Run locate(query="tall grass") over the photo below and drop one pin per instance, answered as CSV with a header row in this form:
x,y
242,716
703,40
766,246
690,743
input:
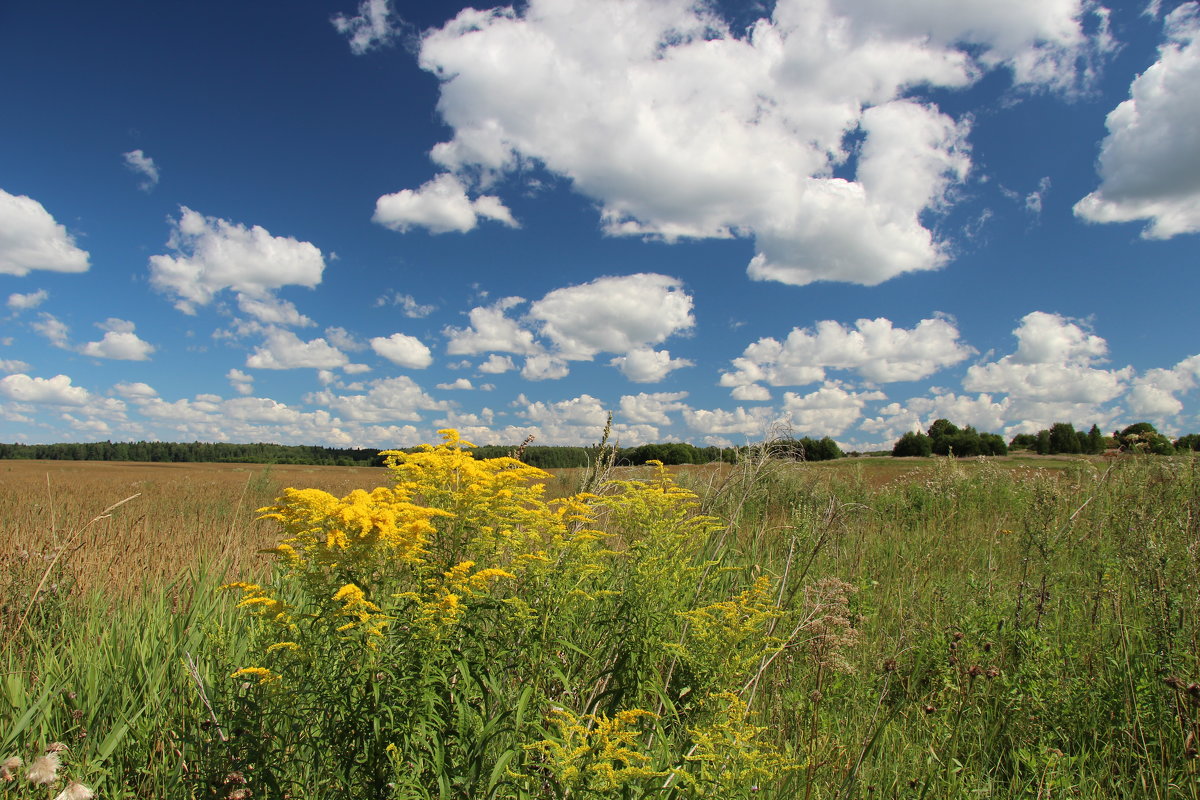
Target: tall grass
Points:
x,y
966,630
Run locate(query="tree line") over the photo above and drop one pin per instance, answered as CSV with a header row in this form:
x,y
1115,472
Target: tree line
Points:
x,y
945,438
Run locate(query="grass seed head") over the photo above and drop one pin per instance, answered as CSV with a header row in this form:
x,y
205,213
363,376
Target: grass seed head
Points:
x,y
75,791
9,768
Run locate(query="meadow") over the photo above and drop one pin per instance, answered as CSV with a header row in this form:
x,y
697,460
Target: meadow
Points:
x,y
900,628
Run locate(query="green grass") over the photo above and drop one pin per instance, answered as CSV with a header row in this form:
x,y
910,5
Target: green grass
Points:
x,y
1015,628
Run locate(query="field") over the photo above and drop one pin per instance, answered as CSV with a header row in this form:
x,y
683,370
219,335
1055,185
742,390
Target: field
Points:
x,y
873,627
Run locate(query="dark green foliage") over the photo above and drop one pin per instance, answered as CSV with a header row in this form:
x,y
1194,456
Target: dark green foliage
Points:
x,y
1064,439
913,443
808,449
1189,442
209,452
942,428
1141,437
1024,441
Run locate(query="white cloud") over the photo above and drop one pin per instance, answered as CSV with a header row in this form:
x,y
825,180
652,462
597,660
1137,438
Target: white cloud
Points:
x,y
12,365
271,310
1150,161
344,339
388,400
370,29
31,239
136,390
755,423
24,302
119,343
402,350
458,384
874,349
52,391
647,365
53,329
491,329
1154,394
1055,363
613,314
678,127
827,411
412,309
544,367
497,364
143,165
440,206
284,350
651,408
213,254
242,382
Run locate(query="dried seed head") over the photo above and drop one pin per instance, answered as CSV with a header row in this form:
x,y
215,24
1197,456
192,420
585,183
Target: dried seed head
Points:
x,y
9,768
928,709
56,747
958,636
75,791
240,794
889,665
987,647
992,672
975,671
1193,689
1174,682
236,778
43,770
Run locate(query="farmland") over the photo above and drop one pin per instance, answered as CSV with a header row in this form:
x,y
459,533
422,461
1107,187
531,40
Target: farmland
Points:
x,y
906,628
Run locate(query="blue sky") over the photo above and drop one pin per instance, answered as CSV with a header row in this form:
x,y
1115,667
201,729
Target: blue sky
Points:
x,y
354,223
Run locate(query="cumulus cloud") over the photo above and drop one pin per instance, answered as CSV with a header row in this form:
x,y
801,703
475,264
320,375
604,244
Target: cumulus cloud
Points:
x,y
370,29
412,309
647,365
827,411
119,343
613,314
54,329
497,364
136,390
24,302
402,350
388,400
544,367
271,310
492,330
214,254
1150,161
143,165
875,349
50,391
803,133
651,408
459,384
242,382
30,239
1055,363
285,350
12,365
440,206
1154,394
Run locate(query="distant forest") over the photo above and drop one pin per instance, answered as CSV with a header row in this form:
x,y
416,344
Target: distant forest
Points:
x,y
542,456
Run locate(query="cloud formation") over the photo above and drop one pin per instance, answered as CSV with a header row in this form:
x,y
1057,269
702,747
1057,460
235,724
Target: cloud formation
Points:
x,y
403,350
143,165
440,206
873,348
214,254
1150,161
801,133
30,239
370,29
119,343
285,350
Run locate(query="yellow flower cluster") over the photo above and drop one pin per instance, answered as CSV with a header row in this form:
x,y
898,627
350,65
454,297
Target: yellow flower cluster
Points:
x,y
728,756
726,640
597,752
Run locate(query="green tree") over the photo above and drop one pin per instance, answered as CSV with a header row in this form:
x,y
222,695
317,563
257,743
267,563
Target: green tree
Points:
x,y
913,443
